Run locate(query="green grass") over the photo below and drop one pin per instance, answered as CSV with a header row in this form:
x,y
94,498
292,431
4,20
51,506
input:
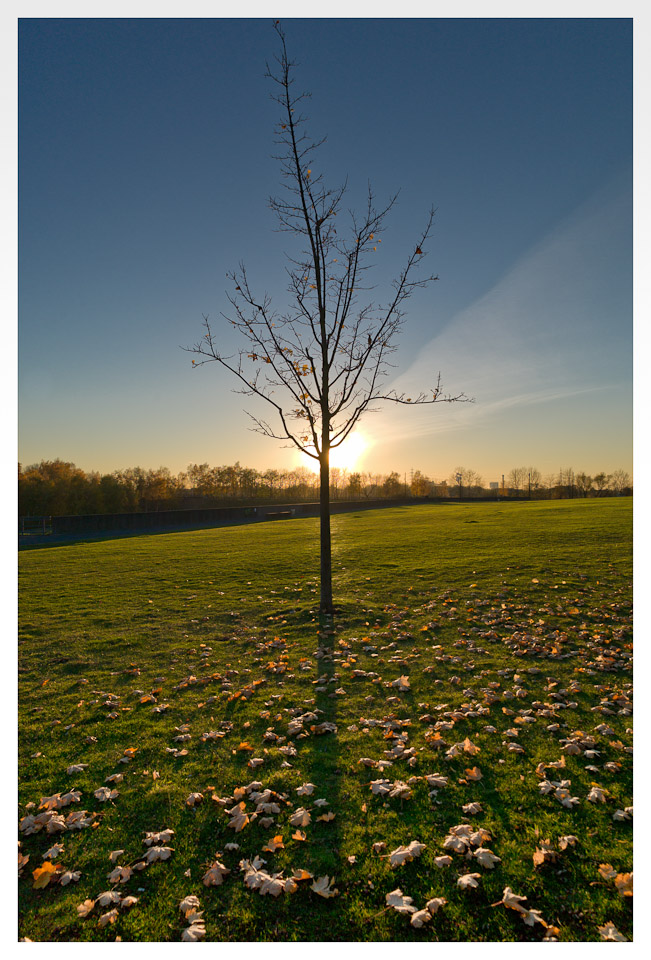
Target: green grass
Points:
x,y
456,597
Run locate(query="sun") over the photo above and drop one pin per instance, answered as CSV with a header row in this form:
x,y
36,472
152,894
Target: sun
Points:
x,y
346,457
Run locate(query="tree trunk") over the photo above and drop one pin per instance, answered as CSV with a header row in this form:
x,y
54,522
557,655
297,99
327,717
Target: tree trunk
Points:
x,y
326,546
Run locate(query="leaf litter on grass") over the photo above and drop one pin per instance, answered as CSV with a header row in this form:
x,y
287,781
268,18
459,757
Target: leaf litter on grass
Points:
x,y
552,669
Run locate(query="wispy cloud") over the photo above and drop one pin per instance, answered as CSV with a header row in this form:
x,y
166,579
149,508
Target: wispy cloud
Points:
x,y
555,327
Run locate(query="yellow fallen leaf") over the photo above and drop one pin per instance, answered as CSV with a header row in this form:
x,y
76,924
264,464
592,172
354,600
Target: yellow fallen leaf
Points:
x,y
43,875
624,884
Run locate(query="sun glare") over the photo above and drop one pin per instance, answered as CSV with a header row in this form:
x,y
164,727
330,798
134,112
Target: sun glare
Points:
x,y
346,457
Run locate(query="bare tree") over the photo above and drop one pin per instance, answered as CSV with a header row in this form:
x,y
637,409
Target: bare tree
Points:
x,y
620,480
322,362
517,478
465,479
601,481
584,484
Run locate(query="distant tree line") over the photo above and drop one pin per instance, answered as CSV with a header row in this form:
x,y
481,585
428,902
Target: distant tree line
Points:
x,y
59,488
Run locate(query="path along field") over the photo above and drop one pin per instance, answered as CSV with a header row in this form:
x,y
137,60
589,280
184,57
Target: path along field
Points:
x,y
459,734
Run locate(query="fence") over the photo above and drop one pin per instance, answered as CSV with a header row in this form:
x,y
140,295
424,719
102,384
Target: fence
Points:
x,y
183,519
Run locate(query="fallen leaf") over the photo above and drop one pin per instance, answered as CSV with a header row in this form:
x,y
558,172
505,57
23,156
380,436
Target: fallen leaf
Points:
x,y
305,789
120,875
275,844
512,900
443,861
468,880
435,904
610,932
189,905
108,897
158,853
420,918
194,933
300,818
214,875
399,902
109,917
486,857
322,886
43,874
624,884
83,909
404,854
53,852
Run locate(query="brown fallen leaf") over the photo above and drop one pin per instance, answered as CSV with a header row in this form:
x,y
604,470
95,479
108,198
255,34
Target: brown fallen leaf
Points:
x,y
512,901
158,853
213,877
189,905
486,858
300,818
195,932
83,909
420,918
276,843
610,932
568,841
70,876
322,886
468,880
53,852
435,904
402,855
109,917
399,902
544,854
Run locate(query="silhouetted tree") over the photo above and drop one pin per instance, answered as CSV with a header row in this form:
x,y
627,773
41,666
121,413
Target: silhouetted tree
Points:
x,y
517,478
620,481
583,484
601,481
420,485
322,362
392,486
468,482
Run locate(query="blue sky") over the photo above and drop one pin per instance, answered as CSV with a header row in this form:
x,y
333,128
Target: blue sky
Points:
x,y
145,164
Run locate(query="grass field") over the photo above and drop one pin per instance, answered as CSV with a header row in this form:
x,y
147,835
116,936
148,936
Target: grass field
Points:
x,y
478,674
